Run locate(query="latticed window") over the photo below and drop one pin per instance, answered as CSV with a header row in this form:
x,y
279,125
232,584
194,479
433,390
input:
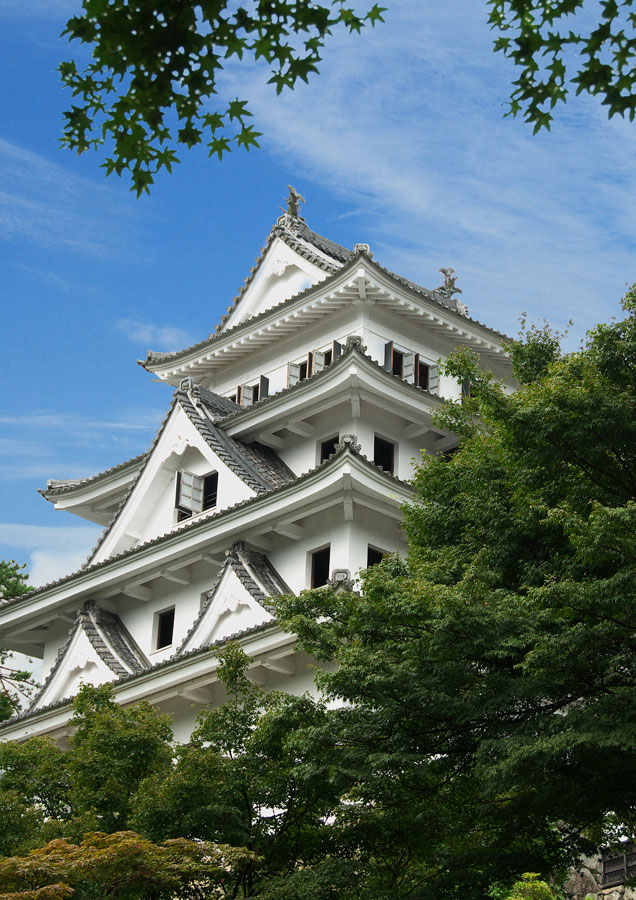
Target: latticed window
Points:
x,y
195,493
619,867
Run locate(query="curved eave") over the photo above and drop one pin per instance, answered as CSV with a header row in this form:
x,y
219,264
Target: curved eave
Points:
x,y
164,680
361,280
353,377
208,534
96,498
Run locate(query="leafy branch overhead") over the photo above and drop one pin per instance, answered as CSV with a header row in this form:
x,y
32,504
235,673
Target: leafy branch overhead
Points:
x,y
558,43
155,66
16,685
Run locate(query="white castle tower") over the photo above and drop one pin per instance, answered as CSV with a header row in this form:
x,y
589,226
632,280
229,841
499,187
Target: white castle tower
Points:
x,y
281,464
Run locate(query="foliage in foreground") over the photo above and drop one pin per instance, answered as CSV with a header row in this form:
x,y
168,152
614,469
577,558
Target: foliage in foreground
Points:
x,y
490,683
119,866
558,43
156,66
16,685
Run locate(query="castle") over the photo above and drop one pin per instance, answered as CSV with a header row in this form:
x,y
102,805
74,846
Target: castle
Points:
x,y
282,464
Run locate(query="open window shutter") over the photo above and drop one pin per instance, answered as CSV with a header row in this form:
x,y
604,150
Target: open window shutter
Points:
x,y
319,361
190,492
433,379
293,374
388,356
416,368
238,395
310,362
408,367
263,387
336,352
247,395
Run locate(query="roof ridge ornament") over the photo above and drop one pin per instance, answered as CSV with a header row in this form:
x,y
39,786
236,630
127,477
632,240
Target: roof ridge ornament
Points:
x,y
449,288
291,217
363,248
348,440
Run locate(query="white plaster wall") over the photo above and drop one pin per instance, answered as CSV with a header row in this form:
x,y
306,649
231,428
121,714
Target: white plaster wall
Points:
x,y
282,274
348,542
140,618
272,360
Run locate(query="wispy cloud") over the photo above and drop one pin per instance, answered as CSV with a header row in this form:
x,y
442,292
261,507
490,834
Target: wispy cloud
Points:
x,y
53,552
407,125
46,444
48,204
161,337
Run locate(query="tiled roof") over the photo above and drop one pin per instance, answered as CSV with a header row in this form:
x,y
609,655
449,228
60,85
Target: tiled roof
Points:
x,y
201,521
163,664
296,234
255,572
106,633
61,486
436,296
258,466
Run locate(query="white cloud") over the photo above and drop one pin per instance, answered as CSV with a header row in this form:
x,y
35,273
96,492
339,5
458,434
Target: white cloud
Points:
x,y
47,204
53,552
48,444
164,337
406,123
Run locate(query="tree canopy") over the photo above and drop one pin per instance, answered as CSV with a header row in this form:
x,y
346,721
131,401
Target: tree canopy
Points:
x,y
152,82
155,68
558,45
15,684
489,681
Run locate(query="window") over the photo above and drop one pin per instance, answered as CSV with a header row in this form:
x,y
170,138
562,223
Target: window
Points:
x,y
383,454
299,371
320,560
323,358
465,389
394,359
373,556
195,493
328,447
421,375
247,394
618,867
165,628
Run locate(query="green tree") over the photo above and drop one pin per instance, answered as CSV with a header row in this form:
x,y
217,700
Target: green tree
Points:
x,y
15,684
155,68
490,680
248,777
119,866
47,792
560,45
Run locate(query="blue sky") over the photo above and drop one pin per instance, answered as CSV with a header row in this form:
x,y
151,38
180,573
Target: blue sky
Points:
x,y
400,142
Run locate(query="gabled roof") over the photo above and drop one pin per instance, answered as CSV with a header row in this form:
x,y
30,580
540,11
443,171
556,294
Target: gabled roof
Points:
x,y
202,521
155,362
300,238
109,638
256,465
257,576
57,486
